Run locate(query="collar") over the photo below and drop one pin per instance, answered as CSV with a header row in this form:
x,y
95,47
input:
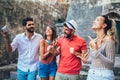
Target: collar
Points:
x,y
34,35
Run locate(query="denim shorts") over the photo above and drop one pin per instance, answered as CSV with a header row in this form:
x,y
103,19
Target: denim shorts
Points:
x,y
100,74
46,70
26,75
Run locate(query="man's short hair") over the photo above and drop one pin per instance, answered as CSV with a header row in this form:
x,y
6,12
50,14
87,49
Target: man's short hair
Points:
x,y
24,21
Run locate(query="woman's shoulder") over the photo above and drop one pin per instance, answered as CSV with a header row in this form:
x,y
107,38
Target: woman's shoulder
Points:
x,y
42,41
109,39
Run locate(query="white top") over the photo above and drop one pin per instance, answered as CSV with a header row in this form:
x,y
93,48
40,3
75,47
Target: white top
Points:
x,y
28,50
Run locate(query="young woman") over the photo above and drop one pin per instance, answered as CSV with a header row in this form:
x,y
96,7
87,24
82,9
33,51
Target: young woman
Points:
x,y
102,50
47,66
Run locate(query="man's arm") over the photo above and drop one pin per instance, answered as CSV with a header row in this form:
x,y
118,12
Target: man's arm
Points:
x,y
7,42
8,46
83,55
56,50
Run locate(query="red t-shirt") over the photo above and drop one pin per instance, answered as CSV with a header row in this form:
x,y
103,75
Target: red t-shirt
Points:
x,y
68,62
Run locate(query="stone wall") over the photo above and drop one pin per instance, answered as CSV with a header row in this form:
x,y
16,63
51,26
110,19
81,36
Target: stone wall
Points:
x,y
13,11
84,13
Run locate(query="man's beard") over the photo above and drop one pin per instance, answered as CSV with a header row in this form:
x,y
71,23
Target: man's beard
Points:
x,y
68,35
31,30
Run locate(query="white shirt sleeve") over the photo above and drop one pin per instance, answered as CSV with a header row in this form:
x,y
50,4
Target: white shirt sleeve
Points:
x,y
14,44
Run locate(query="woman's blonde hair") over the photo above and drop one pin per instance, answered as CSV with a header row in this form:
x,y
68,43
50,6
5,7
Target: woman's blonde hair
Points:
x,y
111,29
113,33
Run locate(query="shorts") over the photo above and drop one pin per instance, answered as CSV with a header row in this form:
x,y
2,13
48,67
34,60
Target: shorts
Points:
x,y
46,70
61,76
26,75
100,74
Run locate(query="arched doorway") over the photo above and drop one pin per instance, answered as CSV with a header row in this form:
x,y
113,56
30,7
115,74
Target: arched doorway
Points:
x,y
116,17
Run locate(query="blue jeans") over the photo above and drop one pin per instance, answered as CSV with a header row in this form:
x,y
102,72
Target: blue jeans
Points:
x,y
26,75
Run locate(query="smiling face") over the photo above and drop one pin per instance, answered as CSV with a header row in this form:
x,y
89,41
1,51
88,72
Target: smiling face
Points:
x,y
99,23
68,33
30,26
49,31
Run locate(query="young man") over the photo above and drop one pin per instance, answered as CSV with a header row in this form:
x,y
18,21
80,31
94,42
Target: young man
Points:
x,y
71,46
27,44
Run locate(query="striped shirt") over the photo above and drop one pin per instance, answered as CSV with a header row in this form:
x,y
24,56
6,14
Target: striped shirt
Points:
x,y
28,50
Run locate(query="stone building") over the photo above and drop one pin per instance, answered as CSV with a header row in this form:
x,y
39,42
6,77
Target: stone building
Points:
x,y
60,1
85,11
13,11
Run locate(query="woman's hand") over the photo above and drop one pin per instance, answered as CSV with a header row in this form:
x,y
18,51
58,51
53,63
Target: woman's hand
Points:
x,y
93,44
49,48
84,57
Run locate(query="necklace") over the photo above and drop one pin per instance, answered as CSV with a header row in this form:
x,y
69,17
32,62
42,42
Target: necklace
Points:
x,y
48,42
